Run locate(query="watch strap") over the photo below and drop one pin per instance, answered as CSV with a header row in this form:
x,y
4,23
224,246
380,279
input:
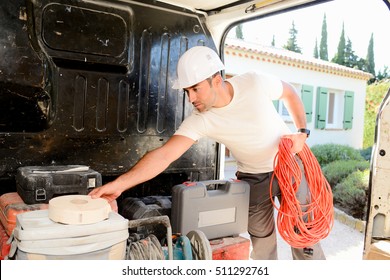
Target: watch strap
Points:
x,y
304,130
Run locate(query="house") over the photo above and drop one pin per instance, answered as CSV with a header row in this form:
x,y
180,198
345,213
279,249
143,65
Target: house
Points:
x,y
333,95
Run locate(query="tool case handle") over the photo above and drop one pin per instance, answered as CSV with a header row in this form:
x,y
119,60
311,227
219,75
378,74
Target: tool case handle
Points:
x,y
231,185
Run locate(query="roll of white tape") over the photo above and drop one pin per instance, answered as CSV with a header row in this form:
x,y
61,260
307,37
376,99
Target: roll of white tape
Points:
x,y
78,209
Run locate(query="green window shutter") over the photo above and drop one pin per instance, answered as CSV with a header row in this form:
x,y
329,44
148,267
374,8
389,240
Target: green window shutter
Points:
x,y
276,104
348,109
321,107
307,99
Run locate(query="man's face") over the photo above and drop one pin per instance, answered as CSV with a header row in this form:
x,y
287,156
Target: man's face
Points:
x,y
202,95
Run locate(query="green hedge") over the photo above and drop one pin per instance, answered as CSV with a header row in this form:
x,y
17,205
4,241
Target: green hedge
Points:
x,y
347,172
327,153
338,170
352,193
366,153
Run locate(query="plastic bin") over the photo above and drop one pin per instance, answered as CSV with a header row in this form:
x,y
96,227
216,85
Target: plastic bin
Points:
x,y
36,237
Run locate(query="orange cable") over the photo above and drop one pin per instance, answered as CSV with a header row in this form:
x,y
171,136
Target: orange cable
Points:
x,y
301,225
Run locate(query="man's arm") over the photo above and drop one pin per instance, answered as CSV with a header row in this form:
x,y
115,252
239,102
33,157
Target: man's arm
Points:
x,y
295,107
149,166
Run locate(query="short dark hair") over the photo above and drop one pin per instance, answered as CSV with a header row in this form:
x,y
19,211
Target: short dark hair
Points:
x,y
209,79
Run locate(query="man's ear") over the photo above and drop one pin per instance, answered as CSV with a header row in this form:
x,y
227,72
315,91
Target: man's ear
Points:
x,y
218,80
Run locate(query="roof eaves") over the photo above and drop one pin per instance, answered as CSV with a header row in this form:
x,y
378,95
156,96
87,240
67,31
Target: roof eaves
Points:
x,y
289,58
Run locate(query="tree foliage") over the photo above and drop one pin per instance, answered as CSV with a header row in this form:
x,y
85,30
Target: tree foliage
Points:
x,y
346,56
345,53
315,52
292,44
370,62
339,58
374,96
324,40
350,59
383,75
239,33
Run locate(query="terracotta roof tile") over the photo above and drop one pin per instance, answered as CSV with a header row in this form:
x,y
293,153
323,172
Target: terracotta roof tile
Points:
x,y
245,50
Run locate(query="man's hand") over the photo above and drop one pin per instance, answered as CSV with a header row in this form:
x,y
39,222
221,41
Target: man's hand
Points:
x,y
109,191
298,140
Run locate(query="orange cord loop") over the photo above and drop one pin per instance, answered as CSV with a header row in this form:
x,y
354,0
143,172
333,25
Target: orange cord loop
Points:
x,y
301,224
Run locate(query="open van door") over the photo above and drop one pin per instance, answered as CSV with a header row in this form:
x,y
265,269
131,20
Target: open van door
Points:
x,y
377,235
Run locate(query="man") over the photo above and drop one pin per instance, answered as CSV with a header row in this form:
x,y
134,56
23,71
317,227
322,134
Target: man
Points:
x,y
240,114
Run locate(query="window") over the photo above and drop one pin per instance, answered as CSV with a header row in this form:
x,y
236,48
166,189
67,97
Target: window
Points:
x,y
282,110
334,115
334,109
307,99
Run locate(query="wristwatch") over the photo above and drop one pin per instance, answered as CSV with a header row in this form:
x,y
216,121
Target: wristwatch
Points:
x,y
304,130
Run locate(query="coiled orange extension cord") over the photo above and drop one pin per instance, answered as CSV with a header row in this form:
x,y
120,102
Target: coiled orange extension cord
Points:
x,y
301,224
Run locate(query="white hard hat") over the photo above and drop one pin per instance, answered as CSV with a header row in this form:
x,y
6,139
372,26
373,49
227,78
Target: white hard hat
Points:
x,y
195,65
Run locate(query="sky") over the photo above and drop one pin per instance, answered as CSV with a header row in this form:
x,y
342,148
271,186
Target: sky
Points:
x,y
361,18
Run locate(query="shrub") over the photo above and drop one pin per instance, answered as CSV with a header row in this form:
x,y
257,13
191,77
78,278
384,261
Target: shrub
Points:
x,y
351,194
327,153
366,153
374,97
338,170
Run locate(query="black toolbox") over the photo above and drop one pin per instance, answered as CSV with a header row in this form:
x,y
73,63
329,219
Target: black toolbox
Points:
x,y
39,184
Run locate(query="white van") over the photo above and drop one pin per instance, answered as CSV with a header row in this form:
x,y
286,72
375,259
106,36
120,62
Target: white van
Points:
x,y
90,83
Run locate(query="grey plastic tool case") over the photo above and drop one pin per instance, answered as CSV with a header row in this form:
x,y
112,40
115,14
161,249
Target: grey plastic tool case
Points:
x,y
219,212
39,184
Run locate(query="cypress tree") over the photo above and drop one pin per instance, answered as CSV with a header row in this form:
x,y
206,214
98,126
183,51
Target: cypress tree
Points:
x,y
292,41
315,52
370,56
351,59
324,40
239,33
384,75
339,58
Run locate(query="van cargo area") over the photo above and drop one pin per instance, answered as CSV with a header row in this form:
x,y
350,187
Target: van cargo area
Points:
x,y
90,83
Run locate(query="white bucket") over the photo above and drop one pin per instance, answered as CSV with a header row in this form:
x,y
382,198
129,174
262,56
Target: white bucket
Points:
x,y
38,237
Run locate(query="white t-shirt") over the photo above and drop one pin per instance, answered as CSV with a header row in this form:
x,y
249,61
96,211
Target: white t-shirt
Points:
x,y
249,126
